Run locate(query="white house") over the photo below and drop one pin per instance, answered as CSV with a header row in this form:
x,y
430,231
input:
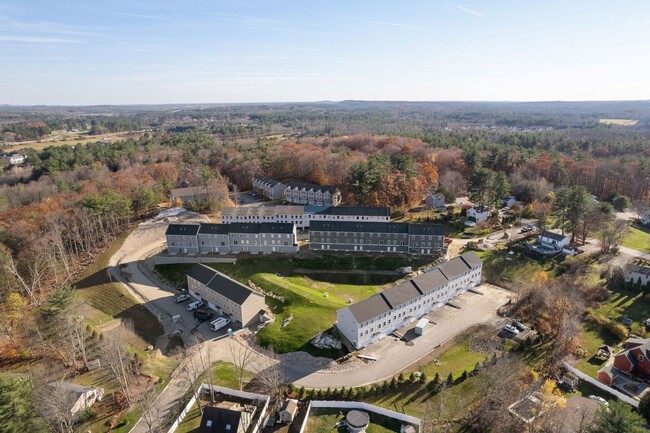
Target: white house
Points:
x,y
553,240
16,159
75,396
268,187
478,213
435,200
226,296
638,272
373,318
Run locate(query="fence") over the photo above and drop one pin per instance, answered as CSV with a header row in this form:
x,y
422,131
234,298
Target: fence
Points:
x,y
360,406
602,386
227,391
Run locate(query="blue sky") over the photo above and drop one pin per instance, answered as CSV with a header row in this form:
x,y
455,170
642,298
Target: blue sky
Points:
x,y
145,51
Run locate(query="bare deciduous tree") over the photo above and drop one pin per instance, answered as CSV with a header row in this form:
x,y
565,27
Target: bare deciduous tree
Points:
x,y
57,401
241,357
117,360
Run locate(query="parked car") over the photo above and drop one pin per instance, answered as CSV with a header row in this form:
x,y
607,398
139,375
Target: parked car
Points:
x,y
511,329
599,400
194,305
219,323
203,314
175,333
182,298
525,229
520,326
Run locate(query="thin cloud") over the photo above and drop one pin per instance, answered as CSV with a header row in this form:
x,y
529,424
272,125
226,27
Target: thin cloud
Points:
x,y
37,40
246,19
53,27
464,9
524,35
480,57
384,23
148,17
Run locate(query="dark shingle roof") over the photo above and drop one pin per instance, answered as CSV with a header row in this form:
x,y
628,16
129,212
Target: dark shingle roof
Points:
x,y
369,308
219,418
261,228
427,229
430,280
231,289
555,236
267,180
454,267
472,259
357,210
214,229
401,293
308,186
201,273
182,229
351,226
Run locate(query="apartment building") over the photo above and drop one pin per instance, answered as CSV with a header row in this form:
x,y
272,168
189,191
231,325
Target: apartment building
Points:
x,y
385,237
315,195
353,214
265,214
191,194
233,238
373,318
269,188
226,296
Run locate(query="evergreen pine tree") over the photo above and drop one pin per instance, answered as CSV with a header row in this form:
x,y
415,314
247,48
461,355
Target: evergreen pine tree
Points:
x,y
328,393
463,377
450,380
412,377
423,377
393,383
400,378
302,393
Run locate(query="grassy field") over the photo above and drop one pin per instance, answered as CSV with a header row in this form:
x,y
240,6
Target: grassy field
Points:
x,y
223,374
519,267
638,238
620,122
59,138
311,300
323,420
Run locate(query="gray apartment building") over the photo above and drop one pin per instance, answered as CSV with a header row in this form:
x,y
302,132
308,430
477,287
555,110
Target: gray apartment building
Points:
x,y
268,187
226,296
265,214
182,238
385,237
353,213
315,195
233,238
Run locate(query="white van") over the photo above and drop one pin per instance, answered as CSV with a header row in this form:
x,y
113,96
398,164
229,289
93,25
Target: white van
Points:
x,y
194,305
219,323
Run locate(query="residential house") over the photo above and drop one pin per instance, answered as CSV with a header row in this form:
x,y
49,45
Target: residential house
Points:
x,y
353,213
509,201
632,361
191,194
316,195
235,418
182,238
76,397
265,214
206,238
374,318
269,188
552,240
637,272
435,200
384,237
644,217
16,159
226,296
478,214
288,411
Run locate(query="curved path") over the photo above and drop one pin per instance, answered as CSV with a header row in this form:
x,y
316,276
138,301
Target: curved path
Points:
x,y
127,266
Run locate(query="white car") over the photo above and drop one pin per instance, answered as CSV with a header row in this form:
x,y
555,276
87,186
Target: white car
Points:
x,y
194,305
219,323
599,400
511,329
182,298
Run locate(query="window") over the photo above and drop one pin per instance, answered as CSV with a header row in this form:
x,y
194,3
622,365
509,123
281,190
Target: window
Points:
x,y
208,423
641,358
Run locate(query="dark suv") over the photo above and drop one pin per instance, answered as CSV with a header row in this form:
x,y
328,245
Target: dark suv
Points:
x,y
202,314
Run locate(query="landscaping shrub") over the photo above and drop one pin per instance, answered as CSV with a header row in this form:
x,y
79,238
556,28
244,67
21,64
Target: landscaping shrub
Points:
x,y
617,330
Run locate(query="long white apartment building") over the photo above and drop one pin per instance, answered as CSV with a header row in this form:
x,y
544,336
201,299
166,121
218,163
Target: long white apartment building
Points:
x,y
373,318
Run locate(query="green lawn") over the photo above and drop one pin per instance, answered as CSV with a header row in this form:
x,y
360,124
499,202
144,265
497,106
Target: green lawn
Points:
x,y
323,420
455,359
638,238
518,268
311,299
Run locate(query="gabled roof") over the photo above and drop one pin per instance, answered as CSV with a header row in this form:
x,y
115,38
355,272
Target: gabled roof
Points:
x,y
189,191
290,406
214,229
231,289
430,280
377,227
201,273
267,180
555,236
262,210
182,229
369,308
70,388
401,293
286,228
454,267
426,229
472,260
382,211
217,420
311,186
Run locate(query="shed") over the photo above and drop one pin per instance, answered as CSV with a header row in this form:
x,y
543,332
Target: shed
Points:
x,y
604,351
288,411
421,325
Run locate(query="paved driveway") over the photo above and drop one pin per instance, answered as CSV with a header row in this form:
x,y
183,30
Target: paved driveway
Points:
x,y
395,355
